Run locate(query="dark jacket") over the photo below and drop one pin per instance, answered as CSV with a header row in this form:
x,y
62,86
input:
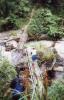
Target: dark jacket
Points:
x,y
17,88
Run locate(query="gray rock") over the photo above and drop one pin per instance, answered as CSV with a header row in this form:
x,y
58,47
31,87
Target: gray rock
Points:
x,y
59,68
59,47
11,43
45,43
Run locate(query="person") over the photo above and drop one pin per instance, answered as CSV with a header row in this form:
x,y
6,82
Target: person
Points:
x,y
34,54
34,57
17,88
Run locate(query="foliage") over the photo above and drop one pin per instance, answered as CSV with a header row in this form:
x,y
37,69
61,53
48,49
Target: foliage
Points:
x,y
32,96
23,8
56,91
47,56
12,11
45,22
8,7
7,73
9,23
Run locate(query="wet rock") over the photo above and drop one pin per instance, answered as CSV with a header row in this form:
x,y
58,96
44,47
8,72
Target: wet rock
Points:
x,y
6,54
59,68
59,47
59,75
59,61
38,37
45,43
17,40
11,45
17,55
13,56
43,37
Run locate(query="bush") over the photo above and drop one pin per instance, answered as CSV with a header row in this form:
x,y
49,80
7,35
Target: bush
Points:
x,y
9,23
23,9
47,56
37,24
44,22
7,73
12,13
12,21
56,91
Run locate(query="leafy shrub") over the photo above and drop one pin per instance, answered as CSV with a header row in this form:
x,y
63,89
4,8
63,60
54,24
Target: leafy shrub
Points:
x,y
47,57
23,9
12,22
44,22
7,73
8,7
9,23
56,91
11,12
37,24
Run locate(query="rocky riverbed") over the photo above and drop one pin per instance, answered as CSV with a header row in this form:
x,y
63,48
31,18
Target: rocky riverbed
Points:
x,y
11,47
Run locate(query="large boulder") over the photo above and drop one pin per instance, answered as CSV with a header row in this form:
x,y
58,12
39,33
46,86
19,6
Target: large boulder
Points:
x,y
10,45
44,43
59,47
59,69
13,56
6,54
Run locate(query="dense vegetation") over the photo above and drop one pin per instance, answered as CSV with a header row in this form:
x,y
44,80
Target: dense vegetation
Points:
x,y
48,19
13,13
56,91
7,73
48,16
44,22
